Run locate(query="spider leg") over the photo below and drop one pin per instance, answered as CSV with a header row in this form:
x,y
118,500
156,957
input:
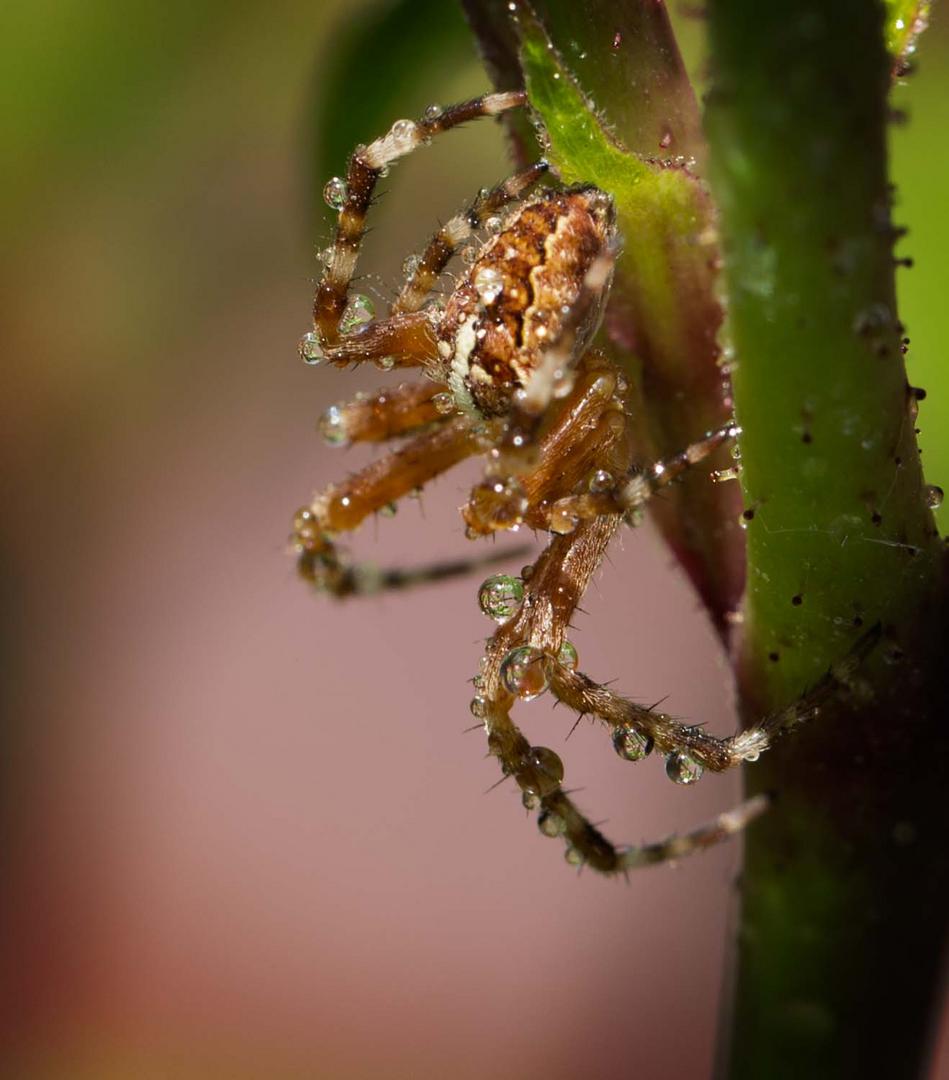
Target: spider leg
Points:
x,y
386,414
519,657
637,729
456,231
366,165
340,508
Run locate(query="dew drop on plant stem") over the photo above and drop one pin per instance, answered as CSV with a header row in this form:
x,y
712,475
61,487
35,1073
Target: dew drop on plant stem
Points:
x,y
500,596
335,192
524,672
933,496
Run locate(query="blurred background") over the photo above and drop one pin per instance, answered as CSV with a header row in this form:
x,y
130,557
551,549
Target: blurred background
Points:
x,y
243,833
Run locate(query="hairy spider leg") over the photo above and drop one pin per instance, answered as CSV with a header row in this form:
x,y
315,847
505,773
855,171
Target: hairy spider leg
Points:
x,y
638,487
443,245
533,638
640,728
366,165
385,414
341,507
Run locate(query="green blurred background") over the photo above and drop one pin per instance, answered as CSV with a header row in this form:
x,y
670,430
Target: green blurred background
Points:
x,y
220,841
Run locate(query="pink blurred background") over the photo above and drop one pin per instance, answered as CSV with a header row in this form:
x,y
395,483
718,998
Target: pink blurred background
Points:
x,y
244,833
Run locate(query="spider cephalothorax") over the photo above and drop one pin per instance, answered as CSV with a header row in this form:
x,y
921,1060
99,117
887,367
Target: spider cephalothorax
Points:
x,y
512,375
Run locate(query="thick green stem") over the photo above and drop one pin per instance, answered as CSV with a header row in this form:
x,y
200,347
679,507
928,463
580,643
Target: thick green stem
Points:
x,y
844,889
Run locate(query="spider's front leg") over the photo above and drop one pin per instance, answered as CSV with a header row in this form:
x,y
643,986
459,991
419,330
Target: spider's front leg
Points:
x,y
353,198
522,657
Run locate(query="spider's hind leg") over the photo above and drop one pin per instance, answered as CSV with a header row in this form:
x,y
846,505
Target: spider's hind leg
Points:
x,y
524,653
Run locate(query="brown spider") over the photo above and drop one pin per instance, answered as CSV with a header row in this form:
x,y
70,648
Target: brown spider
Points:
x,y
512,376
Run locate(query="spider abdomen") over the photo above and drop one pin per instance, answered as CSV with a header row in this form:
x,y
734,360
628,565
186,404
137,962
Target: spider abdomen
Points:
x,y
512,301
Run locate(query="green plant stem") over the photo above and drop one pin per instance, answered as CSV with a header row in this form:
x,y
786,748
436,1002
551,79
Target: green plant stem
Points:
x,y
845,885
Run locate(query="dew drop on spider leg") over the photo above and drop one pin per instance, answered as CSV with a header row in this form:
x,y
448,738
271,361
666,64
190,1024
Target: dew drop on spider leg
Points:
x,y
335,192
568,657
530,799
333,426
494,225
933,496
404,135
310,349
574,856
550,824
631,745
541,772
359,311
432,112
683,769
524,672
488,284
601,481
478,707
500,596
444,402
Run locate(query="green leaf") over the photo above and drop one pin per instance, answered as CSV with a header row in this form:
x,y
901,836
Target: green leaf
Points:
x,y
905,21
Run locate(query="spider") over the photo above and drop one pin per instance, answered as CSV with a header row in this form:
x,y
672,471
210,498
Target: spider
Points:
x,y
513,376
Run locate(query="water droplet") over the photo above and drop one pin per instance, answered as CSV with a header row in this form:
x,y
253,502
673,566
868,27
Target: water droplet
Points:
x,y
542,772
631,745
389,510
494,225
635,517
335,192
500,596
478,707
404,135
332,426
568,656
601,481
433,112
524,672
573,856
530,799
933,496
488,283
359,311
563,519
496,504
682,769
326,255
550,824
752,757
469,254
384,363
444,402
310,349
410,264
